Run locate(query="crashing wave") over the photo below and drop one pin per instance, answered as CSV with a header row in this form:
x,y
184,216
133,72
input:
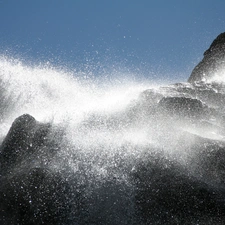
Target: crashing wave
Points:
x,y
127,155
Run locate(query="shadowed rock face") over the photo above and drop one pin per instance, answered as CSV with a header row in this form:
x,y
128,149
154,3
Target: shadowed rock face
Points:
x,y
164,191
36,196
182,106
166,194
213,61
30,193
25,139
19,140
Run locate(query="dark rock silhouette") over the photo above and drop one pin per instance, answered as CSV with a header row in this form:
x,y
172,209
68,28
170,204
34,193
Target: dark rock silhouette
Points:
x,y
30,193
25,140
213,61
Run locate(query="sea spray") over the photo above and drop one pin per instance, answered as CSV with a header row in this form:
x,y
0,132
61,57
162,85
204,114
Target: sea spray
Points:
x,y
129,153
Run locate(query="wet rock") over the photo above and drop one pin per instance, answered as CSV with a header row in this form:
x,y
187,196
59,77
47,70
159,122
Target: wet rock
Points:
x,y
26,139
181,106
177,179
167,194
30,192
37,196
213,61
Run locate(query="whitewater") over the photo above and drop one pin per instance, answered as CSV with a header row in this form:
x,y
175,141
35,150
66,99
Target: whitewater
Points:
x,y
125,152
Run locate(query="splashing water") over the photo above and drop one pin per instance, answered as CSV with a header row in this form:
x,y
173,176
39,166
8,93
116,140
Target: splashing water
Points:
x,y
48,93
109,131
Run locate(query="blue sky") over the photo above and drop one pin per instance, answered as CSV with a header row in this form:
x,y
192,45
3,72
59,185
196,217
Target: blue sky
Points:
x,y
158,39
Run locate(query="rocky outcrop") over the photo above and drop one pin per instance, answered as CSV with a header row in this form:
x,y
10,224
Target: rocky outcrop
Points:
x,y
26,139
166,194
182,106
31,193
173,172
36,196
213,61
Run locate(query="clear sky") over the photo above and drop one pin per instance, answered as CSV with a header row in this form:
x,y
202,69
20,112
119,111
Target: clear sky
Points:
x,y
159,39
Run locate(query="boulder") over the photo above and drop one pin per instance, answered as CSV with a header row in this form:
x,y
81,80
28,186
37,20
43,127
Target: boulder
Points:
x,y
213,61
27,142
30,191
181,106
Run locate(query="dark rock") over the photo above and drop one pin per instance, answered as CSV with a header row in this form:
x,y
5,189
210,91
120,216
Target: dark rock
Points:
x,y
25,140
181,106
37,196
180,181
208,161
30,192
167,194
213,61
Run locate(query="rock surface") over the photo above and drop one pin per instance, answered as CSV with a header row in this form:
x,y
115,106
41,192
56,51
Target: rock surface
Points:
x,y
213,61
30,193
178,177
